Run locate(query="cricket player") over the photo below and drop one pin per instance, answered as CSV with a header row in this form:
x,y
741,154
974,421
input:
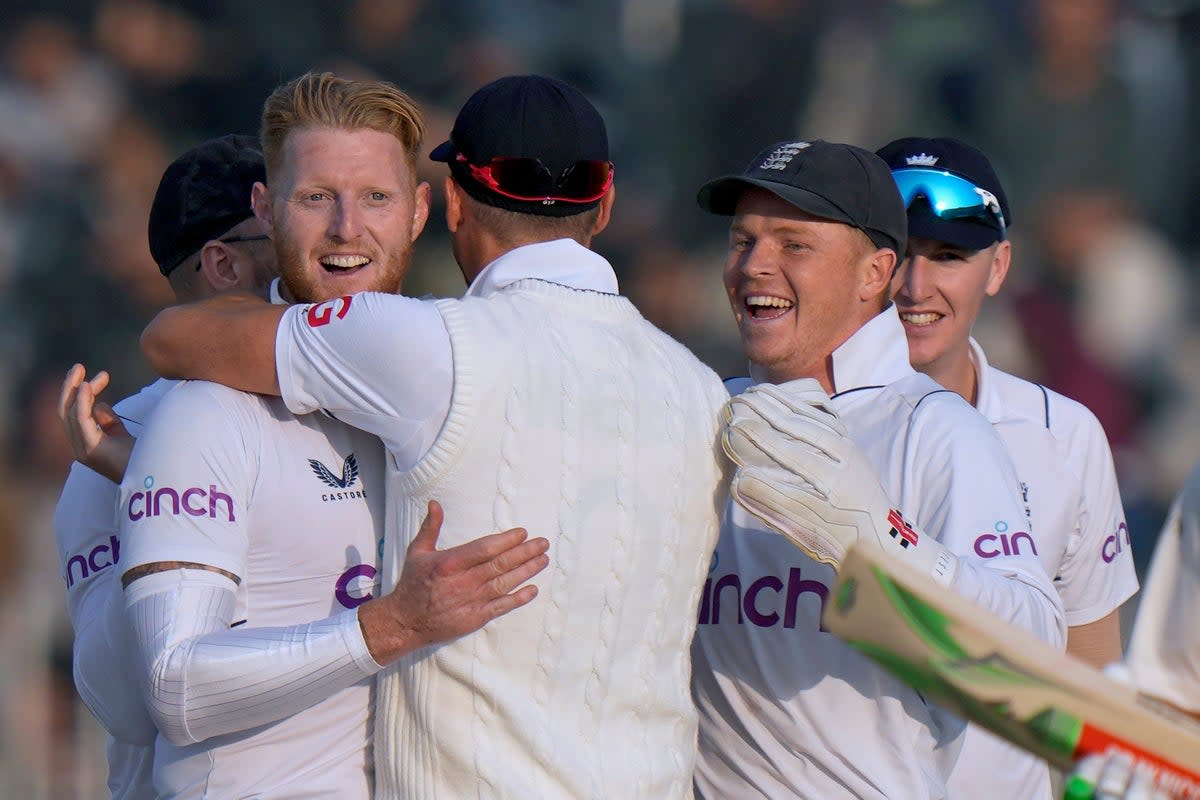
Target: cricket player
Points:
x,y
958,253
838,440
205,240
541,396
251,536
1163,658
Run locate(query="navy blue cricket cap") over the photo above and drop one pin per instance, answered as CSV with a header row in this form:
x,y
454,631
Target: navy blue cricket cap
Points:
x,y
834,181
961,159
525,116
202,194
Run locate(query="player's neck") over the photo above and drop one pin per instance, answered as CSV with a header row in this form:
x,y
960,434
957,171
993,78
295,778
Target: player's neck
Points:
x,y
821,371
957,372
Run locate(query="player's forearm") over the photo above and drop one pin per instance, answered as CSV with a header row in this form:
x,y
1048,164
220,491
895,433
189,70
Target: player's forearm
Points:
x,y
228,339
1024,601
206,679
1097,643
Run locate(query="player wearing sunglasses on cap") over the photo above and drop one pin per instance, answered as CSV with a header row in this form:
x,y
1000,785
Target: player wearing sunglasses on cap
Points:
x,y
541,396
958,254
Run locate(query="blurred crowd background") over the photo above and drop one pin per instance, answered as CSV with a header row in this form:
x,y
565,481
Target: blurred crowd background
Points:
x,y
1089,109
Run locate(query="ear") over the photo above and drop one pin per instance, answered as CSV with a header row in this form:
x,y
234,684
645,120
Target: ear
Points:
x,y
218,265
878,269
420,208
454,205
260,201
606,207
1001,260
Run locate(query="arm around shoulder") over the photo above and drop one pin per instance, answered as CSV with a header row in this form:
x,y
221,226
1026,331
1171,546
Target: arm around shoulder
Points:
x,y
229,339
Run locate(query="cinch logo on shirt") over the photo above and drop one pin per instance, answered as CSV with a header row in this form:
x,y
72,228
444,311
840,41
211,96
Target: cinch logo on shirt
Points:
x,y
1003,543
347,479
323,313
101,557
193,501
762,600
1112,546
354,586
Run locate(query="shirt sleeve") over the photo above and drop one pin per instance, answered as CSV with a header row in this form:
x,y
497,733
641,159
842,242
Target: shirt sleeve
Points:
x,y
1097,570
85,529
379,362
190,482
969,489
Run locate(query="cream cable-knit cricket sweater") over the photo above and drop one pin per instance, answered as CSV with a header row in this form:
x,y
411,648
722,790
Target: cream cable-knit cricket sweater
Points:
x,y
576,419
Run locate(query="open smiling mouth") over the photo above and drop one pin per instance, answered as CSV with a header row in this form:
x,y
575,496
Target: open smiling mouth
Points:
x,y
761,306
344,264
927,318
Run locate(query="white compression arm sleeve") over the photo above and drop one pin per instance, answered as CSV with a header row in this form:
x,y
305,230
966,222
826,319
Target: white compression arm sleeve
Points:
x,y
206,679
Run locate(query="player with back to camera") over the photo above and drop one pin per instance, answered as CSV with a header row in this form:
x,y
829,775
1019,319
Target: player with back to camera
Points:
x,y
205,240
835,435
249,552
546,398
958,253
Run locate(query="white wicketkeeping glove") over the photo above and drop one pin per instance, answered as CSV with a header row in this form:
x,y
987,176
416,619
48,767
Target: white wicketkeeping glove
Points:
x,y
1113,776
800,473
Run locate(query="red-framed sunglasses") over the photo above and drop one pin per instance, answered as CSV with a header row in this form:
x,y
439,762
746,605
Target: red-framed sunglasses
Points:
x,y
530,180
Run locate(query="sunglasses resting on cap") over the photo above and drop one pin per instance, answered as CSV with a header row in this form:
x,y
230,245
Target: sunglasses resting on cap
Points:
x,y
530,180
949,196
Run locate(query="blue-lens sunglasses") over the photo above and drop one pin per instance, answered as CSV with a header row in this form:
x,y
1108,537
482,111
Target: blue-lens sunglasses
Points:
x,y
950,196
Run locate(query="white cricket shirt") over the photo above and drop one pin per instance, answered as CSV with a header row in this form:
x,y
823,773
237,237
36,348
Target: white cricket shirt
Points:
x,y
1164,650
293,506
1077,530
89,546
788,710
573,417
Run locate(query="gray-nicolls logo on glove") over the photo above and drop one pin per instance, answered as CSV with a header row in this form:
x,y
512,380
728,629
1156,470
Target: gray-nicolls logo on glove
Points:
x,y
799,472
902,531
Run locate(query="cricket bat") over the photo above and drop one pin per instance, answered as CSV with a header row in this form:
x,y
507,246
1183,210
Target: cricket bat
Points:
x,y
1001,677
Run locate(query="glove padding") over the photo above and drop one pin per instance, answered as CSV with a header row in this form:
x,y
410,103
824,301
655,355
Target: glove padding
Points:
x,y
799,472
1114,775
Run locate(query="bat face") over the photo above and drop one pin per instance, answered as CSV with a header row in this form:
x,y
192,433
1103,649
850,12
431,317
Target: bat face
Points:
x,y
1001,677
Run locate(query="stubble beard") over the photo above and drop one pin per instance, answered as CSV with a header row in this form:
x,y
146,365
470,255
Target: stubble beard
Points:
x,y
387,276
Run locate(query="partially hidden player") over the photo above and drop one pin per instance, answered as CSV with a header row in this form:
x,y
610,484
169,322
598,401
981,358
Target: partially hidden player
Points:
x,y
958,253
205,240
1162,660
